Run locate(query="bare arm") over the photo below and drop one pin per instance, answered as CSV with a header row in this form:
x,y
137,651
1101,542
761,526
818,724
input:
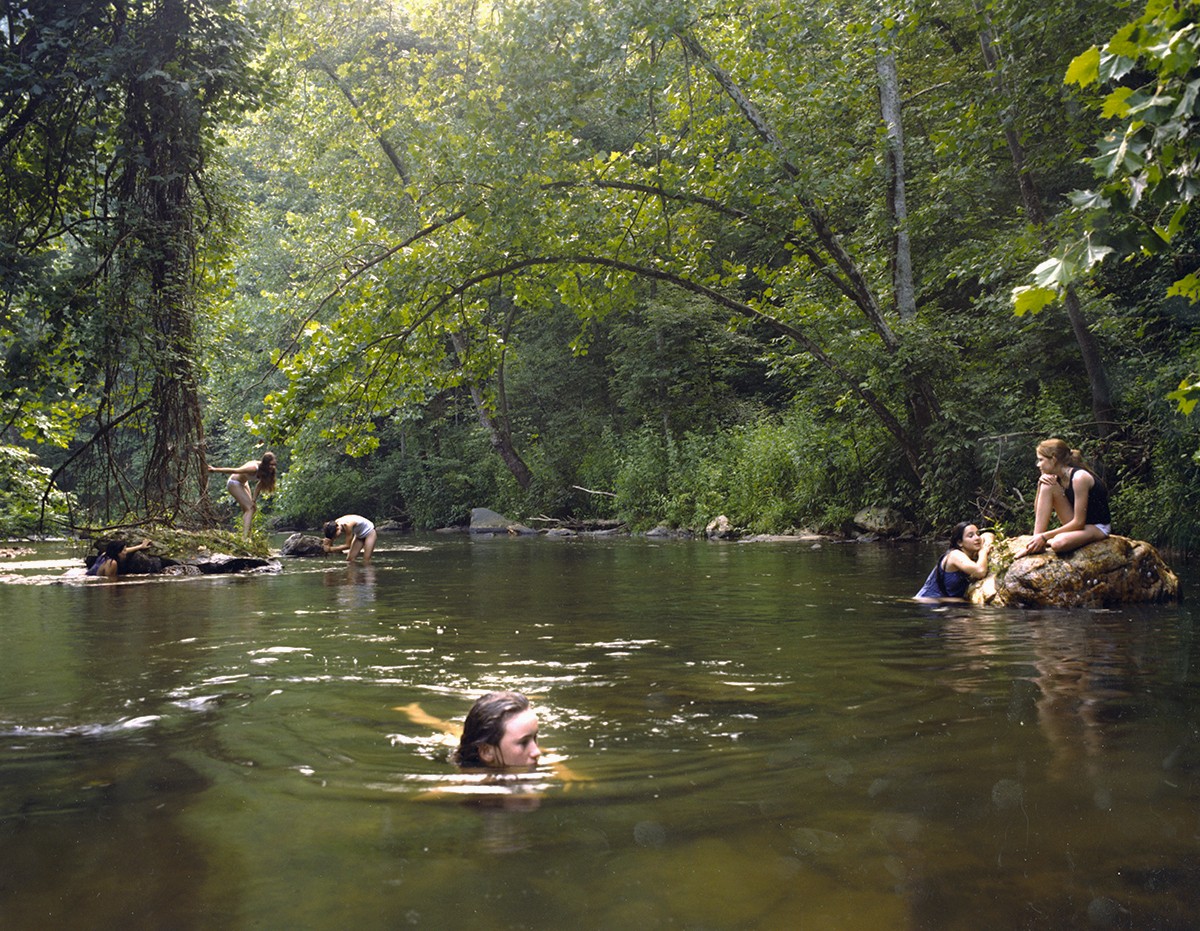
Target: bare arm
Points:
x,y
419,715
976,568
1081,485
330,547
248,468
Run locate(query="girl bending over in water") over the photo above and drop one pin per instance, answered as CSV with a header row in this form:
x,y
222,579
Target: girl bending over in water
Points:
x,y
262,472
360,535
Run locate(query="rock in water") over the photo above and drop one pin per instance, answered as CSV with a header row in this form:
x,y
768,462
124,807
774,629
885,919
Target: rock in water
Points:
x,y
1109,572
302,544
484,520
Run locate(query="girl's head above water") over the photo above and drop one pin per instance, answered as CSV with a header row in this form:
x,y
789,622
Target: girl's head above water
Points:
x,y
500,732
966,537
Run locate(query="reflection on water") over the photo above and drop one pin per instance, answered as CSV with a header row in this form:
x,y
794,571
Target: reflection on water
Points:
x,y
769,736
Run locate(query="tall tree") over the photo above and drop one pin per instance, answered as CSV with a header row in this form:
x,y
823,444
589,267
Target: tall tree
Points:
x,y
567,152
116,143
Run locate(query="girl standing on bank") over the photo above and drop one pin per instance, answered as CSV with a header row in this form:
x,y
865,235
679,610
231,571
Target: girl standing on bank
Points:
x,y
1071,491
261,472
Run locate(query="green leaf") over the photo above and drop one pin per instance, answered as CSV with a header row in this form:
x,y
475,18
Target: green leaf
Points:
x,y
1031,299
1185,396
1088,200
1188,286
1115,104
1084,69
1176,223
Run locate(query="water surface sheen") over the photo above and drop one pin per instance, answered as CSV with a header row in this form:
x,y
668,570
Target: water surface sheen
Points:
x,y
762,735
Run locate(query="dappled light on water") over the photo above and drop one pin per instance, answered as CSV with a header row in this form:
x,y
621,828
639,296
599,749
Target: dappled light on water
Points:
x,y
734,736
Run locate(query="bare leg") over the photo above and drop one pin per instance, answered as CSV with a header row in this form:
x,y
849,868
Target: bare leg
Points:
x,y
1050,500
1073,539
355,545
241,494
368,547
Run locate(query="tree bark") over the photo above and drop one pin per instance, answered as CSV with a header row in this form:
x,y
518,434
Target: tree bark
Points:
x,y
498,429
164,137
889,106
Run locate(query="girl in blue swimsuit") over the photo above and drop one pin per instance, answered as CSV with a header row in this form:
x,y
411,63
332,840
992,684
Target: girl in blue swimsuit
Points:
x,y
966,559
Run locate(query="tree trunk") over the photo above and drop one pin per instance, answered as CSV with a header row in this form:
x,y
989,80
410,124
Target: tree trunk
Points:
x,y
498,429
889,106
921,399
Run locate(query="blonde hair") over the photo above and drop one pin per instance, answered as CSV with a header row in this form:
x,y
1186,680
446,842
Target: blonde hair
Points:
x,y
1059,451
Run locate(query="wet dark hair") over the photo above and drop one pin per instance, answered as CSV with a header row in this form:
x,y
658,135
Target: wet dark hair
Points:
x,y
486,723
113,550
959,531
330,529
266,472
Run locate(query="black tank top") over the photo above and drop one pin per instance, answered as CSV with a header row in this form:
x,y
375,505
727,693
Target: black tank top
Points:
x,y
1097,506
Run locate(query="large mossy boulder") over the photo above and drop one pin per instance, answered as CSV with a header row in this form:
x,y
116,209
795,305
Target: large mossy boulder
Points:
x,y
185,552
1109,572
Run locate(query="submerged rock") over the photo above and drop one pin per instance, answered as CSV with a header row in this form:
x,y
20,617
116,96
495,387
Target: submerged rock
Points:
x,y
221,564
1109,572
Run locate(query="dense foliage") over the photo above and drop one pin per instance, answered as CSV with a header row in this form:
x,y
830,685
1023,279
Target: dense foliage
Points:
x,y
662,260
109,114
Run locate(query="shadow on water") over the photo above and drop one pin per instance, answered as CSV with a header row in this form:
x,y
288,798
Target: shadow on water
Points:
x,y
764,736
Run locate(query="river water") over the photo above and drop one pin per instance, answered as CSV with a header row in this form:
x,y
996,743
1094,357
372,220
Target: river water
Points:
x,y
747,736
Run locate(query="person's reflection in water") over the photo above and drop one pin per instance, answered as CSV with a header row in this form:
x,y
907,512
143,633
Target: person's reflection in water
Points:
x,y
1082,675
1082,684
355,585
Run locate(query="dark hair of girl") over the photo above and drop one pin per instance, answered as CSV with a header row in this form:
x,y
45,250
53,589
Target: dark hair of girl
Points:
x,y
266,472
330,529
957,534
486,723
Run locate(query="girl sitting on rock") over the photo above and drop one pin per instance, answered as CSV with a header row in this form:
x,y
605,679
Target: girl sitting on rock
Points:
x,y
1069,489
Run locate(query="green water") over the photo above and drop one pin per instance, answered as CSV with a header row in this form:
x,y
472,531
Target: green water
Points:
x,y
764,735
